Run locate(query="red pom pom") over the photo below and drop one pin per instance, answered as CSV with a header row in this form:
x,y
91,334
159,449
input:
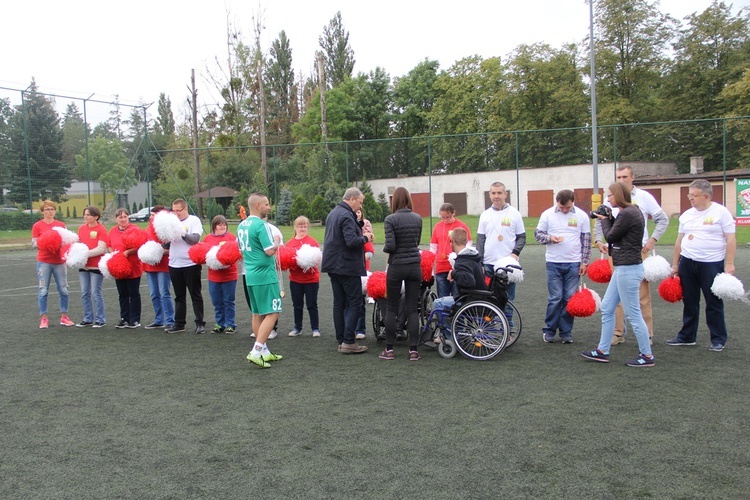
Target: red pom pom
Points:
x,y
134,238
229,253
151,233
197,252
427,263
50,242
287,257
376,285
671,289
600,271
582,304
64,252
119,266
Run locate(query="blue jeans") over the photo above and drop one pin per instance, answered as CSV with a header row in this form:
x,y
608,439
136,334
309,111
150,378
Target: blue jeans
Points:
x,y
697,277
347,305
511,290
305,293
161,297
562,283
44,273
222,298
91,291
445,287
624,287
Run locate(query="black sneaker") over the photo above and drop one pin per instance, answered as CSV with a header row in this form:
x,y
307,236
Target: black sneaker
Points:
x,y
153,326
641,361
679,341
122,324
134,324
99,324
716,347
84,323
217,329
174,329
230,330
596,355
200,329
566,339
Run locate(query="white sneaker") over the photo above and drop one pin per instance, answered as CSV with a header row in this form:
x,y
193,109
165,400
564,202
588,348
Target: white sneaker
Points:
x,y
316,333
370,300
359,336
295,333
252,335
272,335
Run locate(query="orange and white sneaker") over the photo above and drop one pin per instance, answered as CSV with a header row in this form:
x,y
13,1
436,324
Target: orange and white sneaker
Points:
x,y
66,321
44,323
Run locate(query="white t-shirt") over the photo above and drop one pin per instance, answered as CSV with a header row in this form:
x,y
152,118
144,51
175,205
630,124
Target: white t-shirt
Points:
x,y
705,231
178,250
570,226
500,228
646,202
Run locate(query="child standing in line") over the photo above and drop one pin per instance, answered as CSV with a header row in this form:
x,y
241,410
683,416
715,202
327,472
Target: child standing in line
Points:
x,y
304,285
222,283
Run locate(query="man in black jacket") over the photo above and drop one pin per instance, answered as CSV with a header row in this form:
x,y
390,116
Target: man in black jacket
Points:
x,y
344,261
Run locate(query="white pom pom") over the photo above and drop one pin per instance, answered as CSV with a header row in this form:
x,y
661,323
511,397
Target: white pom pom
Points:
x,y
168,227
309,257
452,259
212,261
103,264
656,268
597,299
68,237
151,253
513,277
77,256
727,287
364,283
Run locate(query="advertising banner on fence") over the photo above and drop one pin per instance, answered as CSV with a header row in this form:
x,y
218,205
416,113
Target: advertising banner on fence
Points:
x,y
743,201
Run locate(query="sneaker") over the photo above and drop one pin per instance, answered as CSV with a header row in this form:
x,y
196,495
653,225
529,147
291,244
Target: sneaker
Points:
x,y
273,334
679,341
359,336
640,361
716,347
294,333
252,335
134,324
200,329
401,336
44,323
258,360
316,333
174,329
596,355
566,339
617,339
352,348
269,356
122,324
84,324
548,338
66,321
153,326
218,329
413,355
386,354
99,324
230,330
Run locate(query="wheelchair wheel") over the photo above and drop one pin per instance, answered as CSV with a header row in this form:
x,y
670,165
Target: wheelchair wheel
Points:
x,y
480,330
515,330
378,320
447,348
424,307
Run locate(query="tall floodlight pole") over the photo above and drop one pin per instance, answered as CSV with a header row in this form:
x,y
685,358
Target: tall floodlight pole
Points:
x,y
596,198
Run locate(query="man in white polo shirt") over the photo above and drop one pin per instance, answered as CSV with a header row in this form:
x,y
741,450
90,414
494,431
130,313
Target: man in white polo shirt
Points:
x,y
648,206
566,231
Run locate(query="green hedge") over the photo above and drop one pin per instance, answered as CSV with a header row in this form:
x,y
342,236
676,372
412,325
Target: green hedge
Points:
x,y
19,220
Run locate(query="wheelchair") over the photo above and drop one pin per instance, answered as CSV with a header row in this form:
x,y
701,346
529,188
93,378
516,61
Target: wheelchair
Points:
x,y
476,325
424,306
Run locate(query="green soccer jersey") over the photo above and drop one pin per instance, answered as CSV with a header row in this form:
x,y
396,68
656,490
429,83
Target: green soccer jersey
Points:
x,y
254,237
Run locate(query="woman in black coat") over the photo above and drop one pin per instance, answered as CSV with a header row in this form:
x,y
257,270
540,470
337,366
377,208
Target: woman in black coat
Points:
x,y
403,231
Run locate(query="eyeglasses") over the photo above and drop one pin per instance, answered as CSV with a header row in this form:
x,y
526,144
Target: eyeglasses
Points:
x,y
49,210
693,196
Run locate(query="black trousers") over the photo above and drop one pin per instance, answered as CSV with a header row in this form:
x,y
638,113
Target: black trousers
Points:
x,y
411,276
128,291
186,279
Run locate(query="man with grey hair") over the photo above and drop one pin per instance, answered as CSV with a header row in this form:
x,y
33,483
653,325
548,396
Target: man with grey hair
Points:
x,y
705,247
344,261
648,206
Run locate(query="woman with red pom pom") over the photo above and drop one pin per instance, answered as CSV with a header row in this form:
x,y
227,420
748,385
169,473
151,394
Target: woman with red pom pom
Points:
x,y
222,283
50,263
94,235
624,234
159,283
128,289
304,285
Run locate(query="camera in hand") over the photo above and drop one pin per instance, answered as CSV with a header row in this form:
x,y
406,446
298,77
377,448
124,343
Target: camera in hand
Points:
x,y
601,210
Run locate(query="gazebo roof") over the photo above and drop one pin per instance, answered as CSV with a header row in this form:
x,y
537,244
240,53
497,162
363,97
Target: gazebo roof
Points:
x,y
217,192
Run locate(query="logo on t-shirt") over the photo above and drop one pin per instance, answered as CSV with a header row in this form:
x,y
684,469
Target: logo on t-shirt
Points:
x,y
506,222
573,222
92,235
708,221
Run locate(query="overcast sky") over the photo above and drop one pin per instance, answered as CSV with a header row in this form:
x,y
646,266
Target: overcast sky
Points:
x,y
139,48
